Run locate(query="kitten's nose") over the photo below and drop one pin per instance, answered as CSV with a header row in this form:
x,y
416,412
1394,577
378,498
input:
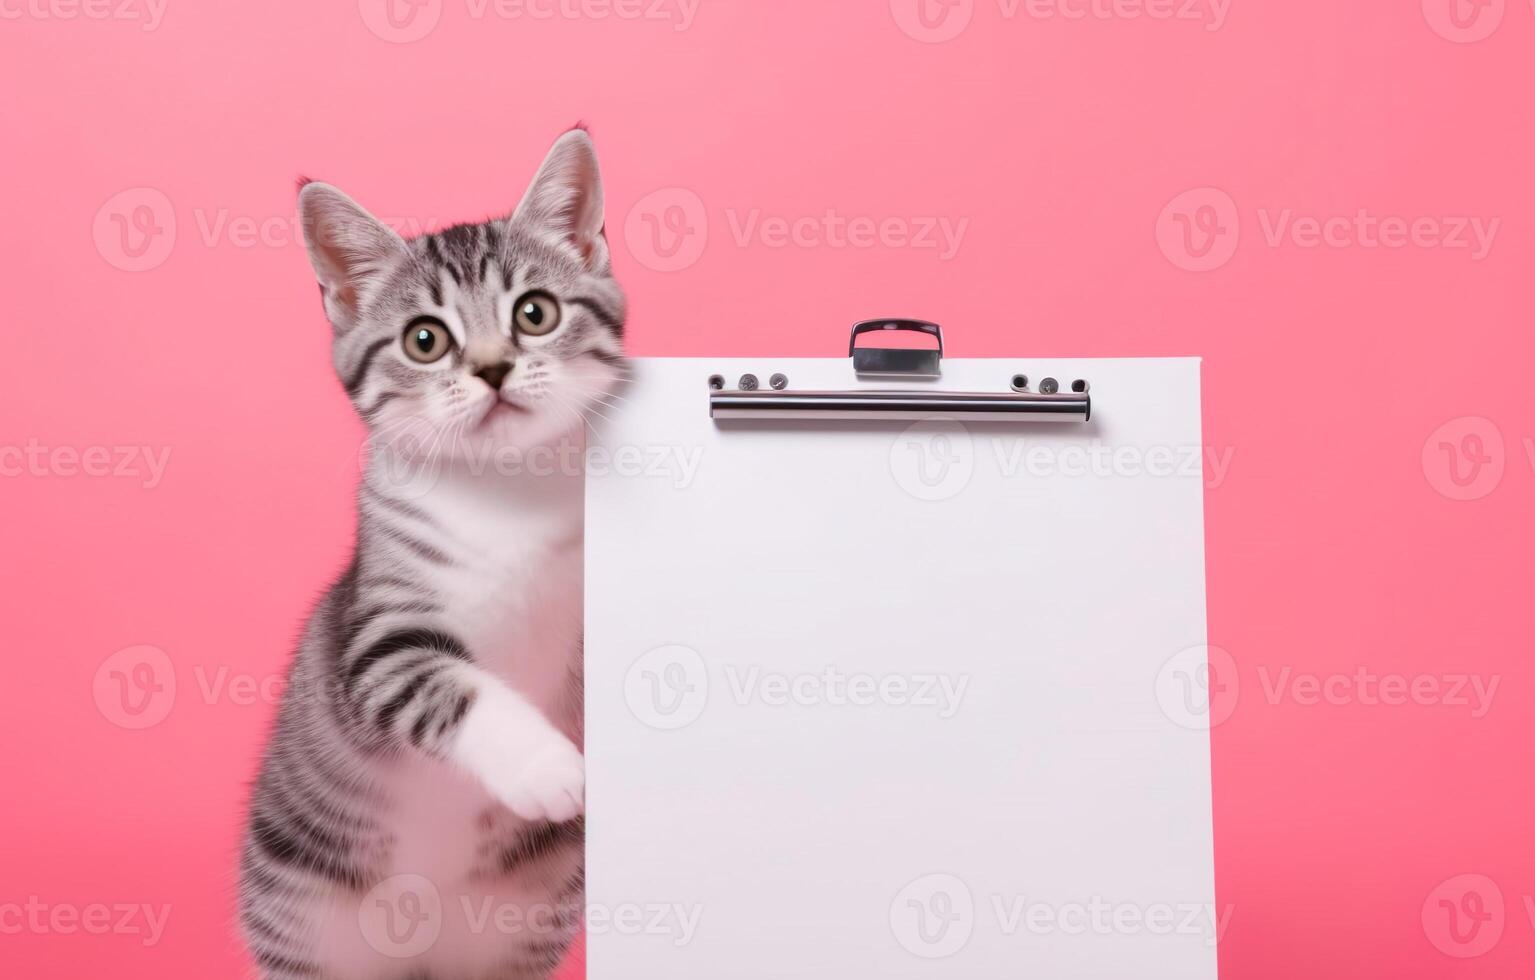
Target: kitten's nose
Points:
x,y
494,374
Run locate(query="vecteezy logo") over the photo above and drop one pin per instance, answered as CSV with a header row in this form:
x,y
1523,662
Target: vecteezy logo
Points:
x,y
135,687
401,916
400,21
1198,687
933,459
932,21
1463,458
933,916
1199,229
668,687
1464,21
135,229
1463,916
667,229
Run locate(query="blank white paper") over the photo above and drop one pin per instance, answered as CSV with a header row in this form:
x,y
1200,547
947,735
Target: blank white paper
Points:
x,y
899,700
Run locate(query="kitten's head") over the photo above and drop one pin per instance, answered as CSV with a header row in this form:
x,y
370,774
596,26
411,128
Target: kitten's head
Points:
x,y
508,332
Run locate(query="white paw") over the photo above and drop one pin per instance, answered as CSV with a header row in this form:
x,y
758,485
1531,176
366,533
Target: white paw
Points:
x,y
551,785
527,764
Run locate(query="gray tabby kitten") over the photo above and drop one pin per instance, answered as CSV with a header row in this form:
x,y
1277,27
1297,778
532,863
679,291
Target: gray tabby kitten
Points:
x,y
419,809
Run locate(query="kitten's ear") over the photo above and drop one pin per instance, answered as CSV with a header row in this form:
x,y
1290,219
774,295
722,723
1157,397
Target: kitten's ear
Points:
x,y
348,247
566,198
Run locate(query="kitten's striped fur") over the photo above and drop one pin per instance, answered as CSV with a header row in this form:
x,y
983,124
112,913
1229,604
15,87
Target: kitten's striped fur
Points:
x,y
427,748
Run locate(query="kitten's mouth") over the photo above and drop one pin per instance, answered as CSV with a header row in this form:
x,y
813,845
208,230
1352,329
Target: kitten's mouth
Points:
x,y
503,407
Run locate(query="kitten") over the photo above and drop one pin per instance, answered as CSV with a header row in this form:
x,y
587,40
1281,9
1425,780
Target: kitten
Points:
x,y
419,808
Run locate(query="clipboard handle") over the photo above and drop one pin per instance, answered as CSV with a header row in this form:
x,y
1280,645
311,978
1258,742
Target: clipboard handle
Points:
x,y
903,361
869,326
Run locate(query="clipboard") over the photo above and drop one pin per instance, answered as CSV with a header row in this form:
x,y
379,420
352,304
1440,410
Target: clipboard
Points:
x,y
895,670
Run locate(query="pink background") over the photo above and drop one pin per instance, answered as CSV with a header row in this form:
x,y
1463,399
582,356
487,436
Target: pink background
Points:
x,y
1375,399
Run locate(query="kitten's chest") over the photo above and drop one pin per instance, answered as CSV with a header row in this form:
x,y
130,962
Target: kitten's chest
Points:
x,y
513,594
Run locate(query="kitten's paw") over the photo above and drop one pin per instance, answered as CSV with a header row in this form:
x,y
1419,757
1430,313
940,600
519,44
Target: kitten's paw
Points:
x,y
550,786
527,764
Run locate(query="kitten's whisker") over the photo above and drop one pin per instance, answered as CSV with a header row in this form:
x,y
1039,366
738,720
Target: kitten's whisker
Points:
x,y
573,410
594,412
556,403
598,413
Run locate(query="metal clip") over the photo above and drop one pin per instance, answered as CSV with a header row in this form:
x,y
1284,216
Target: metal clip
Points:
x,y
900,361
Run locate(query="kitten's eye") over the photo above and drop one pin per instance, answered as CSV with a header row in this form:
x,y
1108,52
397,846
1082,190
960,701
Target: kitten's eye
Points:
x,y
426,340
536,313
